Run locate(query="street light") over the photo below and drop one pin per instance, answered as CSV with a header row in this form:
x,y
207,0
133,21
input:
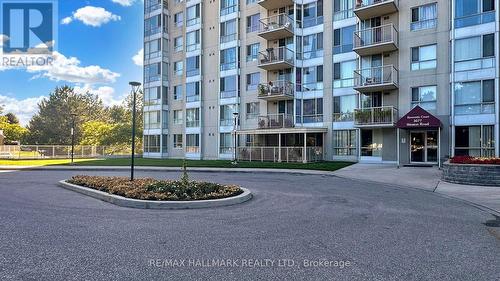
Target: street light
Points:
x,y
135,87
235,140
73,115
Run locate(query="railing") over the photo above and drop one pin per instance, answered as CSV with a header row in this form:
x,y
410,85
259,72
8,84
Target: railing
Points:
x,y
343,117
384,115
478,108
276,121
228,10
423,24
193,149
228,66
193,21
273,153
307,55
475,151
343,83
154,7
276,88
309,22
473,64
342,15
310,87
475,19
305,119
276,55
366,3
61,151
276,22
149,126
375,35
228,94
228,38
193,124
376,76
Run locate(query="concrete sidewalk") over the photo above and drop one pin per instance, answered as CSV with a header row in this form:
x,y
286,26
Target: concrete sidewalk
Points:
x,y
425,178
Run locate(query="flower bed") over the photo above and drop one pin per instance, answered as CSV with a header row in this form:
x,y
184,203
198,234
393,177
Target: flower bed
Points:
x,y
471,171
474,160
161,190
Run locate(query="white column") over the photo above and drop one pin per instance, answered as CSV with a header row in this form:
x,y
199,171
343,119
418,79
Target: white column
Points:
x,y
398,148
279,147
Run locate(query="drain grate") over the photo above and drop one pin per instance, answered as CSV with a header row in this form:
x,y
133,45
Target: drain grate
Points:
x,y
493,223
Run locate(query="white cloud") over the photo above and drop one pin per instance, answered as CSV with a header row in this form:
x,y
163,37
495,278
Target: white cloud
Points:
x,y
107,94
23,108
92,16
126,3
3,38
139,58
70,70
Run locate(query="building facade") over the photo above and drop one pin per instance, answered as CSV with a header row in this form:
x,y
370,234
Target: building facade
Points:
x,y
311,80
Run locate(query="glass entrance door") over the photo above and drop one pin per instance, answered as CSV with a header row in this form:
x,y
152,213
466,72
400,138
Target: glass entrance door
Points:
x,y
424,147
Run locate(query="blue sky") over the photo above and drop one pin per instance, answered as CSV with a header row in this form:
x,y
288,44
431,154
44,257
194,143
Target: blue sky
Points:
x,y
97,41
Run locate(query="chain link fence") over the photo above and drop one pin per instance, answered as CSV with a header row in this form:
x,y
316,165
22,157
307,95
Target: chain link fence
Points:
x,y
61,152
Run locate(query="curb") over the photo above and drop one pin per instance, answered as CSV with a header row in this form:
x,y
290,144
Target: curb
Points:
x,y
149,204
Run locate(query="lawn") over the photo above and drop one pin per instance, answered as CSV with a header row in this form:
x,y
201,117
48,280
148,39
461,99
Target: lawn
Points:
x,y
323,166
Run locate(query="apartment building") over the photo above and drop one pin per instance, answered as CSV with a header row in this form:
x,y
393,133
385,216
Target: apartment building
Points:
x,y
376,81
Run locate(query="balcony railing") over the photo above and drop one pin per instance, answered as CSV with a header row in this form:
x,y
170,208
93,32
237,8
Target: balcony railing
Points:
x,y
280,154
280,89
476,19
376,116
276,121
343,117
365,9
276,27
376,78
276,58
376,40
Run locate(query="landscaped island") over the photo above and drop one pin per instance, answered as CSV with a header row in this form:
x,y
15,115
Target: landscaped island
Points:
x,y
158,190
472,171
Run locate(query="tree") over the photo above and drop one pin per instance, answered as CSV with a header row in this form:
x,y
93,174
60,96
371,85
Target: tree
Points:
x,y
12,118
13,132
52,124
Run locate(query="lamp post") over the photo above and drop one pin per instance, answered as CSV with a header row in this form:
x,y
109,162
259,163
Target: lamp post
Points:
x,y
135,87
235,140
73,115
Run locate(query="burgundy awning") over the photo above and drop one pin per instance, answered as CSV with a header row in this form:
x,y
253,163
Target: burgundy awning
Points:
x,y
418,118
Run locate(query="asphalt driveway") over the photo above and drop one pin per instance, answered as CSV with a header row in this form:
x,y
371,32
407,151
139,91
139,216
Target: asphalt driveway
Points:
x,y
364,231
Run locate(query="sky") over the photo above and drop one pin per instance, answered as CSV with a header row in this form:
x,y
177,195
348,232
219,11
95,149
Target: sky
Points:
x,y
99,50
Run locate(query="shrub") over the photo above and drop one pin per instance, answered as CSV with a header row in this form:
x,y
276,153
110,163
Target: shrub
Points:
x,y
475,160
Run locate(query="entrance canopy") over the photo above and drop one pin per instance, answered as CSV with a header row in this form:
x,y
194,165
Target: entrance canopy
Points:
x,y
418,118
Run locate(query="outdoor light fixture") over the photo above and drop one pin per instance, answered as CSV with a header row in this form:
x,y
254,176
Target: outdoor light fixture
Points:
x,y
135,87
235,140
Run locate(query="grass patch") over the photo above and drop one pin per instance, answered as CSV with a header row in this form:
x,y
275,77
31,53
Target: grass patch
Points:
x,y
152,189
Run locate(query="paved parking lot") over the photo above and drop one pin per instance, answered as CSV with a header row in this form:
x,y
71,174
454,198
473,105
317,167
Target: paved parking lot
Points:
x,y
376,232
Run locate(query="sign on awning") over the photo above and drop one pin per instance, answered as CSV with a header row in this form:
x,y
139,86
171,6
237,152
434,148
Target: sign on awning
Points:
x,y
418,118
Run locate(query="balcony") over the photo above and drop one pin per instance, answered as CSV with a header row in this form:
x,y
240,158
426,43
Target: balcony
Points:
x,y
276,121
376,40
384,116
276,58
276,27
366,9
382,78
275,4
276,90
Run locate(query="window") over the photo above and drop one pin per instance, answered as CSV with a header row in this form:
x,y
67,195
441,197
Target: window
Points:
x,y
193,15
344,143
253,80
424,17
152,96
312,47
164,143
152,49
152,25
178,44
476,97
309,111
251,1
474,12
253,23
343,74
178,68
228,59
425,97
152,72
253,51
312,78
228,7
226,114
164,119
343,9
475,53
177,141
476,141
226,143
152,120
178,92
423,57
312,14
178,118
252,110
151,5
179,19
228,31
193,117
193,41
193,91
152,144
193,66
343,108
228,87
192,143
343,39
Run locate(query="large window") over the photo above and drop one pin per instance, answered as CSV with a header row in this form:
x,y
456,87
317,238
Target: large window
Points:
x,y
178,68
309,111
178,44
153,72
179,19
193,92
252,110
226,114
253,23
312,46
152,25
228,31
475,141
152,96
474,12
475,52
343,74
178,92
343,108
229,87
343,39
425,97
178,141
228,7
253,80
193,117
192,143
312,14
476,97
152,49
152,144
178,117
193,15
152,120
193,41
228,59
226,143
343,9
424,17
344,143
311,79
423,57
253,51
193,66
